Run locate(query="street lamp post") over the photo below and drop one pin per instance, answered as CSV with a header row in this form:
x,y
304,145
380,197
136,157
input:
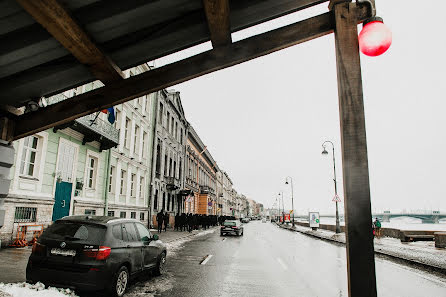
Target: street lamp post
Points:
x,y
324,152
292,193
283,207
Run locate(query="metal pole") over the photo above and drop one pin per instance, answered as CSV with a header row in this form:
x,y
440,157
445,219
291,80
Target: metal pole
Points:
x,y
338,227
292,194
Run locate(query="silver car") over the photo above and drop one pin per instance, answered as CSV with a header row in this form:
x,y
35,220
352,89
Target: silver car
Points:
x,y
231,227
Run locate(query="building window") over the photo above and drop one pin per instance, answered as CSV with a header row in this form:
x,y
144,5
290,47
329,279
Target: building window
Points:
x,y
155,200
117,119
164,201
181,136
91,172
180,169
29,156
170,166
171,126
133,215
136,141
111,213
176,130
168,122
161,112
133,185
168,202
91,212
158,159
165,165
122,214
141,216
127,133
123,182
174,169
25,214
144,145
141,187
111,179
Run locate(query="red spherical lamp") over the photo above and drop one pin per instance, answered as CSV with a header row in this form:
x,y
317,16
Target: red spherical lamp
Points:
x,y
375,38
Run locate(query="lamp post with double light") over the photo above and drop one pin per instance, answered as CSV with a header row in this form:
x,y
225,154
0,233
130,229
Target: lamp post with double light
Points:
x,y
292,194
324,152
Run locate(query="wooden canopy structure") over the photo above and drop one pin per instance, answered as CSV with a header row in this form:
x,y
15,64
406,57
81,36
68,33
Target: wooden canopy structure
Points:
x,y
48,46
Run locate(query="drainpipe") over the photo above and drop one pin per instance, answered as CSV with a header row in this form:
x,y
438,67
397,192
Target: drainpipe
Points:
x,y
107,182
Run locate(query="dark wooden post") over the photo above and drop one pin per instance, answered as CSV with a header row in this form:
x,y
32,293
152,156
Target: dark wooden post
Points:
x,y
358,217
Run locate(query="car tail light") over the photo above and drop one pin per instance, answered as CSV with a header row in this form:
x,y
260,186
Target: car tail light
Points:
x,y
223,227
101,253
234,227
38,249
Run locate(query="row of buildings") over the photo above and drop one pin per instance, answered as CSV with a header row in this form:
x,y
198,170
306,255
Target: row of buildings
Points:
x,y
149,159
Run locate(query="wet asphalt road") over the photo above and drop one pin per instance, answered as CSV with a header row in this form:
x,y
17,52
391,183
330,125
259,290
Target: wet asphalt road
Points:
x,y
269,261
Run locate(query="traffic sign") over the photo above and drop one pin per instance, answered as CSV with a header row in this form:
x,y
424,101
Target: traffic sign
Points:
x,y
336,198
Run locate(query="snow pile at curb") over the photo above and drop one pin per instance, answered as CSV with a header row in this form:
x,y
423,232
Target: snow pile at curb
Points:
x,y
36,290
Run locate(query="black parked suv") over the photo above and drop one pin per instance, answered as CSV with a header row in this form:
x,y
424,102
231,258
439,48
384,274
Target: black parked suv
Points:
x,y
91,253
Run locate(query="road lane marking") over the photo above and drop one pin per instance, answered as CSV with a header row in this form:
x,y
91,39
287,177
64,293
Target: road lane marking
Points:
x,y
206,259
282,264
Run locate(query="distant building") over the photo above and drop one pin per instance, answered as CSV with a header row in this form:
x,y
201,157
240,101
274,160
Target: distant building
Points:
x,y
201,175
169,156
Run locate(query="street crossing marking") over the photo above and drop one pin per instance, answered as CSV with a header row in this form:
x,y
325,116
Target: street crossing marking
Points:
x,y
206,259
282,264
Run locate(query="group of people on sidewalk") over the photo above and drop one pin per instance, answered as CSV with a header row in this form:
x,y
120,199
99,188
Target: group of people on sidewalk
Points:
x,y
189,222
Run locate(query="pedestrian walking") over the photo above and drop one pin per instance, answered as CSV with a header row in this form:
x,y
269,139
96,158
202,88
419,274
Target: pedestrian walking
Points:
x,y
166,220
159,220
377,225
177,222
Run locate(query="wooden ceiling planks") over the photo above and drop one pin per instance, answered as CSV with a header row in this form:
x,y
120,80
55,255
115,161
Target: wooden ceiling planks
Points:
x,y
163,77
59,23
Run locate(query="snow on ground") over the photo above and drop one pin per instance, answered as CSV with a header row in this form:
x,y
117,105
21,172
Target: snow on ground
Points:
x,y
36,290
423,252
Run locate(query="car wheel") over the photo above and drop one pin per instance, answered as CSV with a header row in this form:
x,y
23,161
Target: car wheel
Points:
x,y
161,264
222,234
242,233
120,282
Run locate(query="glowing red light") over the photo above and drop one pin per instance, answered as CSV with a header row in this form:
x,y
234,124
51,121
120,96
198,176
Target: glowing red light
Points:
x,y
375,38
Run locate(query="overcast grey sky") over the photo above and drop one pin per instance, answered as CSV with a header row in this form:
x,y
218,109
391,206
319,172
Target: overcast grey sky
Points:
x,y
266,119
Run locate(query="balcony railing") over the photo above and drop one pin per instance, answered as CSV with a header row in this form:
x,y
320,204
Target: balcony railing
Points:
x,y
91,126
172,183
104,128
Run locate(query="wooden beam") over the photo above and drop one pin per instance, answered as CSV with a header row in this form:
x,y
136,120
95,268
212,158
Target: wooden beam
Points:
x,y
59,23
217,15
358,215
178,72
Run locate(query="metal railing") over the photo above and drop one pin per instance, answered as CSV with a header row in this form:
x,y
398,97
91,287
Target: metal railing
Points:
x,y
99,126
90,121
25,214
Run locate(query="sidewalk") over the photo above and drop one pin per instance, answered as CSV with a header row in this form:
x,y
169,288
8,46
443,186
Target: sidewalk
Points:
x,y
421,252
13,261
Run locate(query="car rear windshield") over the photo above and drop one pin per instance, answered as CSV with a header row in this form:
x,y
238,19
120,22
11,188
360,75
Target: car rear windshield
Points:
x,y
229,223
76,231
